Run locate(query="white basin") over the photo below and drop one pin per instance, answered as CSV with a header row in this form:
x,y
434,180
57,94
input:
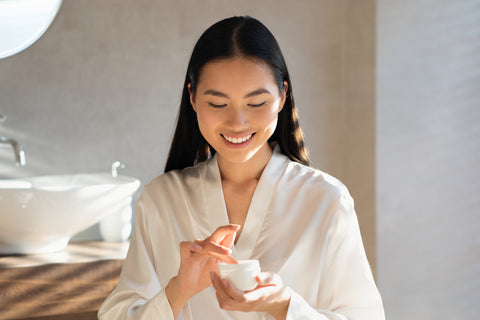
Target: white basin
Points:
x,y
41,214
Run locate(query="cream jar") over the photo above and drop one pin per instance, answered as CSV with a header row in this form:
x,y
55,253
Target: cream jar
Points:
x,y
242,274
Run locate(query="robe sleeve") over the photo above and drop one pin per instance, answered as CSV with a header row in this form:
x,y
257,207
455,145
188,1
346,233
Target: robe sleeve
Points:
x,y
353,294
139,294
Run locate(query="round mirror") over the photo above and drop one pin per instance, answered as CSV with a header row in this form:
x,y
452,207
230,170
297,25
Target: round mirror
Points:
x,y
22,22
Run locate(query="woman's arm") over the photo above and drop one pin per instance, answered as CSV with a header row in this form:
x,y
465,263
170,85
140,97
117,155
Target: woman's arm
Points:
x,y
353,293
139,293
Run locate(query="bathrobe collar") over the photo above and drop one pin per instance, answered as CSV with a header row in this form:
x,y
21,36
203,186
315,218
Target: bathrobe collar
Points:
x,y
259,206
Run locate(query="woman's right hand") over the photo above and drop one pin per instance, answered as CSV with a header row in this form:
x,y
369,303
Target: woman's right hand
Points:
x,y
197,260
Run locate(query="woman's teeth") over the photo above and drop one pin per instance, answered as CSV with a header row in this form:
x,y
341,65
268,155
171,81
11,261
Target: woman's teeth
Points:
x,y
237,140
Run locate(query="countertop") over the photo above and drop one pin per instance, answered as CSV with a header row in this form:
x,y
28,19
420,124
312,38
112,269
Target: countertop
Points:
x,y
66,285
80,252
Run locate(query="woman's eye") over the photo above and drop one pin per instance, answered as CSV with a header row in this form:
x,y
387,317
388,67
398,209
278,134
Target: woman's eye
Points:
x,y
257,105
216,105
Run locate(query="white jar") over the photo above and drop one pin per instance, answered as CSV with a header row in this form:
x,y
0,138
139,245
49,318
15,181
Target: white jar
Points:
x,y
242,275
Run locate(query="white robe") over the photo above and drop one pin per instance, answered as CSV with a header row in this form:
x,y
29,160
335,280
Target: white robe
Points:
x,y
301,224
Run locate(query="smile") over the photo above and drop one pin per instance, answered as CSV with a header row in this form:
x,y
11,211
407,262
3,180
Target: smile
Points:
x,y
237,140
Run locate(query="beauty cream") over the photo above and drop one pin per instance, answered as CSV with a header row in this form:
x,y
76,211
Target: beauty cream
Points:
x,y
242,275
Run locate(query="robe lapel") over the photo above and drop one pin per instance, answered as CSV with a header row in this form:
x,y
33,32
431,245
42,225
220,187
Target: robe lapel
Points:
x,y
259,205
216,210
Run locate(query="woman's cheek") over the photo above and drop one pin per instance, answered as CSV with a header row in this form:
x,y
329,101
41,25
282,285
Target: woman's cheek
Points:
x,y
207,123
270,121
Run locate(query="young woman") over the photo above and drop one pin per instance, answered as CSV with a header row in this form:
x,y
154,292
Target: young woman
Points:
x,y
237,185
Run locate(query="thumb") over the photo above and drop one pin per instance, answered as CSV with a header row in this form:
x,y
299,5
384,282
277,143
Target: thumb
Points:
x,y
267,278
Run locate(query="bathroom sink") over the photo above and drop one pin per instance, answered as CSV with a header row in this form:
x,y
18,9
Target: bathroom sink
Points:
x,y
41,214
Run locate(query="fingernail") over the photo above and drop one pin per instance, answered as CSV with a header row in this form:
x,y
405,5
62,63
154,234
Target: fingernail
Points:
x,y
212,275
197,247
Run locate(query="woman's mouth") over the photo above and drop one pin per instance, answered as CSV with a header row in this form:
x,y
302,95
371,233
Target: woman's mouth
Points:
x,y
237,140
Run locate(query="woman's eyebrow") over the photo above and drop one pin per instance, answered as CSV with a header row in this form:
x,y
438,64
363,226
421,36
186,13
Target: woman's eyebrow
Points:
x,y
257,92
216,93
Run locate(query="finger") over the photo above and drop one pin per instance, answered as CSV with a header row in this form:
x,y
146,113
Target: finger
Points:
x,y
188,247
222,231
222,257
214,278
228,240
225,286
260,292
266,278
233,292
225,301
217,282
227,249
213,247
218,251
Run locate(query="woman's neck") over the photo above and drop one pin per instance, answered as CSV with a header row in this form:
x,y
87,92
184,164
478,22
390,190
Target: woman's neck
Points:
x,y
242,173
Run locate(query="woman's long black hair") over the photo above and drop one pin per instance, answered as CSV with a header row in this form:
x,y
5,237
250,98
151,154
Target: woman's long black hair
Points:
x,y
236,36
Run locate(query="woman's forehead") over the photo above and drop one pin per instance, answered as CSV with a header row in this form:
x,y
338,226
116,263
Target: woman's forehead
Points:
x,y
238,74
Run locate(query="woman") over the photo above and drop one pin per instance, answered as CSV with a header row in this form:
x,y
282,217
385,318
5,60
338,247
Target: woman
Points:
x,y
237,180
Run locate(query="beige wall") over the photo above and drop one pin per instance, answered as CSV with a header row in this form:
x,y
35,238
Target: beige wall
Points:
x,y
104,83
428,158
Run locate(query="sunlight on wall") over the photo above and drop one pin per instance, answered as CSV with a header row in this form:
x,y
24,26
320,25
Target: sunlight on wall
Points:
x,y
34,164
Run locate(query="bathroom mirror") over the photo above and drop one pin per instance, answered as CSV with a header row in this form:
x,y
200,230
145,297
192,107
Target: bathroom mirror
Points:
x,y
22,22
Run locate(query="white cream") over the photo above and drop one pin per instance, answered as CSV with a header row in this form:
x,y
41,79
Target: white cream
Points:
x,y
242,275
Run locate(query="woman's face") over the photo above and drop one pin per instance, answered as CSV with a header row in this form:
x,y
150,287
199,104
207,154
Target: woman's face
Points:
x,y
237,103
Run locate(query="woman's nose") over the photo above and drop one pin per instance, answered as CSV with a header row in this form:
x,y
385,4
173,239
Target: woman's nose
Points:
x,y
237,117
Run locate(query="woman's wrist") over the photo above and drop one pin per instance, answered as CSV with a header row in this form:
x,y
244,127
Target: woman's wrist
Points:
x,y
175,297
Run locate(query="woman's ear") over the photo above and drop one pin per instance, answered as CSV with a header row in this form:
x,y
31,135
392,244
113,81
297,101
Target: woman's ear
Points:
x,y
192,96
283,95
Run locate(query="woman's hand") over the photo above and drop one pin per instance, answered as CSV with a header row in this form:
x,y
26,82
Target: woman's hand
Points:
x,y
269,296
197,260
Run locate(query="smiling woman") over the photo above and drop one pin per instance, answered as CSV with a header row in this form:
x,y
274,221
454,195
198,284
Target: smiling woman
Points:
x,y
22,22
235,117
237,186
257,50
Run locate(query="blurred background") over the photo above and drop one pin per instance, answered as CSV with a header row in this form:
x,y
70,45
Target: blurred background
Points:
x,y
388,93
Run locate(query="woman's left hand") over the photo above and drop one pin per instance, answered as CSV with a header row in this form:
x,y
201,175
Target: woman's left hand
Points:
x,y
269,296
